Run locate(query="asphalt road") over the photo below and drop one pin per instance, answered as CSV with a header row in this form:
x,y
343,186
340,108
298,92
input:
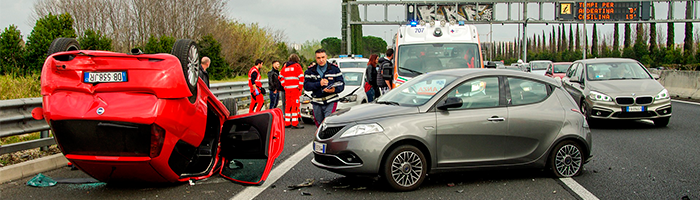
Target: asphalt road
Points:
x,y
633,160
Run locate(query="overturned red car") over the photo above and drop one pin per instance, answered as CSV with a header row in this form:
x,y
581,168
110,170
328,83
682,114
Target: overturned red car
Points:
x,y
150,118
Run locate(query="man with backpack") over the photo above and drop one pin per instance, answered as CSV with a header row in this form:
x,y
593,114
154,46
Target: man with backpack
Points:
x,y
385,74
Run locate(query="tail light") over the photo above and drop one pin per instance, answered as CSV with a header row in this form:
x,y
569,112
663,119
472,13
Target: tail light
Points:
x,y
157,138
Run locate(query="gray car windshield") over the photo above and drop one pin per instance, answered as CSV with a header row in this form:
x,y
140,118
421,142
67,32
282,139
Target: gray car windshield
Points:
x,y
417,91
352,78
416,59
616,71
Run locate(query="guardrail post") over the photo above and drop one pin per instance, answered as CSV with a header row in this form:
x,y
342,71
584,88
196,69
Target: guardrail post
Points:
x,y
44,134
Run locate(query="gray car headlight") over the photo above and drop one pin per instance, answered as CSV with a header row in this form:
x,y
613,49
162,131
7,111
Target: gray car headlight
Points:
x,y
597,96
362,129
662,95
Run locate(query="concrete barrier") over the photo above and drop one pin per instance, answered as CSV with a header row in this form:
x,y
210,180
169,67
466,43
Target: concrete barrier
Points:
x,y
682,84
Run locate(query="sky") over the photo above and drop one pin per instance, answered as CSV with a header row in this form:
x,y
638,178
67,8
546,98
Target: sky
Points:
x,y
303,20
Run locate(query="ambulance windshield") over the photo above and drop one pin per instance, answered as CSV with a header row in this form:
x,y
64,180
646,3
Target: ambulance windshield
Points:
x,y
416,59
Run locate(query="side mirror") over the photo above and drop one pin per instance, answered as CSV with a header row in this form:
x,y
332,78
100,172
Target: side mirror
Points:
x,y
574,79
491,65
450,102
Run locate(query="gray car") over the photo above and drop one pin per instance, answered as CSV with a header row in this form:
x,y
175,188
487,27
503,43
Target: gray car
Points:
x,y
617,88
457,119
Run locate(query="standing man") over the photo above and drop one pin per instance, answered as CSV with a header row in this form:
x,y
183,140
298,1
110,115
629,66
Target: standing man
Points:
x,y
274,82
385,74
204,75
325,81
292,78
256,90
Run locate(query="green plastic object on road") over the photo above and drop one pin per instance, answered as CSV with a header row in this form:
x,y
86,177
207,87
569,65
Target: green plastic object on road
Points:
x,y
41,181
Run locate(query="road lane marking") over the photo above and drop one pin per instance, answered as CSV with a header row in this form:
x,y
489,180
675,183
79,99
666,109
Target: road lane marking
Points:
x,y
688,102
578,189
251,192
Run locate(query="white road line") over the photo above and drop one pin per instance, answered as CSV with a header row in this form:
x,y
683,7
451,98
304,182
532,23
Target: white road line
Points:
x,y
578,189
251,192
688,102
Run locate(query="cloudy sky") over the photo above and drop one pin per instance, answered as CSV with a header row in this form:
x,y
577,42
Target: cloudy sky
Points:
x,y
303,20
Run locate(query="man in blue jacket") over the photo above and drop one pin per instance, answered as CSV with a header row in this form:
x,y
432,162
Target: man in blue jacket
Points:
x,y
325,81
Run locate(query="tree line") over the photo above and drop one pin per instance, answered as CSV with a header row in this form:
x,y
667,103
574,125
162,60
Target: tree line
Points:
x,y
643,44
153,26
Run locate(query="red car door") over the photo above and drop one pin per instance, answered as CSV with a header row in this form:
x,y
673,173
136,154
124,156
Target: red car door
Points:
x,y
250,144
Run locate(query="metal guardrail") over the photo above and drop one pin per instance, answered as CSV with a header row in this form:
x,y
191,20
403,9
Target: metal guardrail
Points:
x,y
16,115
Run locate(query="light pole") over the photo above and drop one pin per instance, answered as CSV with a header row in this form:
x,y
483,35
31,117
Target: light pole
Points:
x,y
525,39
585,33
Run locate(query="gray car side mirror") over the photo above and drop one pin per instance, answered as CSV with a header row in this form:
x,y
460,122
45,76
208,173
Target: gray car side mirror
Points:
x,y
450,102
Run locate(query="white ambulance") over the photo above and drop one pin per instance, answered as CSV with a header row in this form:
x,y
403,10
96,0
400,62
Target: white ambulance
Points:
x,y
425,47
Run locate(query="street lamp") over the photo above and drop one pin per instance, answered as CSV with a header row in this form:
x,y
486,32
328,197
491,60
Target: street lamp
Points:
x,y
525,39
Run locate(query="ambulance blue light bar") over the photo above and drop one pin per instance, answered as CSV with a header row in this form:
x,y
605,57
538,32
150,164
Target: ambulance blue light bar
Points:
x,y
414,23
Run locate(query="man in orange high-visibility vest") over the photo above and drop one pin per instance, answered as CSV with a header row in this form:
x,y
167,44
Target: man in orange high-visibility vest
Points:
x,y
257,92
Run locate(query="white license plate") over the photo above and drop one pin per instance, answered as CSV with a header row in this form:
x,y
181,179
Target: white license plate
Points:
x,y
319,147
104,77
635,109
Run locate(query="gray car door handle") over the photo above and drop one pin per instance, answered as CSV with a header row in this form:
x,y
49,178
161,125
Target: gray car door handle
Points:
x,y
497,119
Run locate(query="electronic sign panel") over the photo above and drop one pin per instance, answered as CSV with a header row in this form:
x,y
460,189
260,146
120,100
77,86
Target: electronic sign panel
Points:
x,y
603,11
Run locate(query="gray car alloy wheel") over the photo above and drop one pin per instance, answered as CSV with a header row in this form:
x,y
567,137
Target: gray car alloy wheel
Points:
x,y
568,160
406,168
193,65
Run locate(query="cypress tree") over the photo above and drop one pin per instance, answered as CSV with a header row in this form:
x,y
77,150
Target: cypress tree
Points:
x,y
594,44
616,39
554,39
564,45
628,36
669,40
571,38
578,38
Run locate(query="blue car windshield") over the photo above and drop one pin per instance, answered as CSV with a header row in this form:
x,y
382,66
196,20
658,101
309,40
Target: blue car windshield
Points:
x,y
417,91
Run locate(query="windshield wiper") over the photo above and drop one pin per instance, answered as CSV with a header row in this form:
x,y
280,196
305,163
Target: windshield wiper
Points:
x,y
388,102
412,71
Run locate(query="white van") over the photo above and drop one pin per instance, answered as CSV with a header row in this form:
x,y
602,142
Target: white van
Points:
x,y
426,47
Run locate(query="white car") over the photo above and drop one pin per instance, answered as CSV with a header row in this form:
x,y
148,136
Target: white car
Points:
x,y
540,66
353,94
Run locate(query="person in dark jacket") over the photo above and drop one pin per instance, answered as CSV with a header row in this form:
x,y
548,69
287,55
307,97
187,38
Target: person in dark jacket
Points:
x,y
371,78
204,75
325,81
385,73
275,86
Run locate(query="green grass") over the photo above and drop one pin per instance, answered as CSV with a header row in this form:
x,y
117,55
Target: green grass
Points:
x,y
19,87
20,138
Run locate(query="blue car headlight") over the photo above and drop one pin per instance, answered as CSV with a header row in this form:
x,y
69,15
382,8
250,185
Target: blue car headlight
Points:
x,y
362,129
597,96
662,95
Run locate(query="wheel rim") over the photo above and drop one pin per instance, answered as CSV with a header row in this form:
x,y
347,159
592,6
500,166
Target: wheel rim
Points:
x,y
193,65
568,161
72,48
406,168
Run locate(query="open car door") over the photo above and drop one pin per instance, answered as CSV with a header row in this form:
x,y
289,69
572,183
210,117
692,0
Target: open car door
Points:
x,y
250,144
